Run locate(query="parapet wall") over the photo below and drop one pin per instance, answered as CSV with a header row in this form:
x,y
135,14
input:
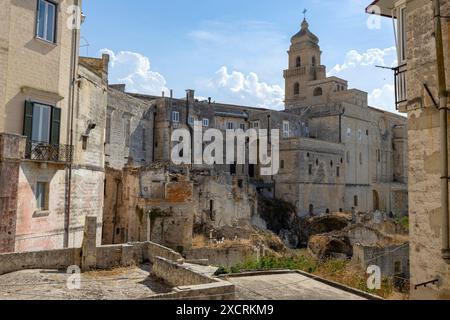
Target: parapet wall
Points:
x,y
53,259
107,257
189,284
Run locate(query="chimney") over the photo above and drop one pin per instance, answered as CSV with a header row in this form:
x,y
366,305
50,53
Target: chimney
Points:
x,y
171,93
190,96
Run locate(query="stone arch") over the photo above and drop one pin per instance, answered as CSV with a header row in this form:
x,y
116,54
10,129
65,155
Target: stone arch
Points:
x,y
318,91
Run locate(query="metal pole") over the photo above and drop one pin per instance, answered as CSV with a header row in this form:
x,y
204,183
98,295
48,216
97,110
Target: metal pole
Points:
x,y
443,113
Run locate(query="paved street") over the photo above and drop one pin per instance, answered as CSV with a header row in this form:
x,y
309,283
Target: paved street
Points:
x,y
288,286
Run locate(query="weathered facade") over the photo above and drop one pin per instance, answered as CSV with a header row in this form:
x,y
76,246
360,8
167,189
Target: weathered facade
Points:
x,y
336,152
52,107
418,78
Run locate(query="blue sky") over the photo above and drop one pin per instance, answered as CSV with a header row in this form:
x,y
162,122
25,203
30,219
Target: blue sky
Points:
x,y
235,51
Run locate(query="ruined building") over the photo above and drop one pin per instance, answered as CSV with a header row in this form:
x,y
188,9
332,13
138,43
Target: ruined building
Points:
x,y
336,154
422,82
52,118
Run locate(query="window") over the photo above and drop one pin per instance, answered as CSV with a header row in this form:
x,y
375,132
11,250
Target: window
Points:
x,y
286,130
360,158
356,201
233,170
108,128
348,156
205,122
298,62
401,34
242,126
282,164
191,120
296,88
230,125
310,169
338,171
255,124
398,267
42,123
84,142
318,92
211,210
313,61
127,132
46,21
42,196
360,135
176,117
349,132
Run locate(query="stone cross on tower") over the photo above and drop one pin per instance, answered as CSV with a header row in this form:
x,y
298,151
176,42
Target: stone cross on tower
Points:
x,y
304,13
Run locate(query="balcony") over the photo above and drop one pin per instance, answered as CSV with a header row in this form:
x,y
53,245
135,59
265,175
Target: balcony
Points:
x,y
400,86
45,152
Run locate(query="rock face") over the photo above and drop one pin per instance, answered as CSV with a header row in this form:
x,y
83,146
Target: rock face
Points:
x,y
340,236
326,246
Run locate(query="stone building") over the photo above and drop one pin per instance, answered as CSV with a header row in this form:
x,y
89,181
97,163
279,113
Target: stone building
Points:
x,y
336,152
52,115
422,81
333,143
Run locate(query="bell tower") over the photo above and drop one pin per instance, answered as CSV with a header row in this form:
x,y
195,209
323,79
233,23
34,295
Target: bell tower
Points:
x,y
304,66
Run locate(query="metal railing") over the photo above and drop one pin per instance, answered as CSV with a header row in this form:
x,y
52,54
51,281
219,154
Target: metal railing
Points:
x,y
45,152
400,85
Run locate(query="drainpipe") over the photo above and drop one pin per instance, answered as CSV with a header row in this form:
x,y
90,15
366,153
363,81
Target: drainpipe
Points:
x,y
73,82
444,131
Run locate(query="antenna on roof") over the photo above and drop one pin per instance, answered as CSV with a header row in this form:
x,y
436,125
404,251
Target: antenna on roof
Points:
x,y
383,67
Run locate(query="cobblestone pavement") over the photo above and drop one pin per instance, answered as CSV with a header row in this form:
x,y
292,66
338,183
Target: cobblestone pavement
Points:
x,y
117,284
289,286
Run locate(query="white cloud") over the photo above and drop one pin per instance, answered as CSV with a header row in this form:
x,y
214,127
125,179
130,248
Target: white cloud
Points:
x,y
371,57
246,89
134,69
383,97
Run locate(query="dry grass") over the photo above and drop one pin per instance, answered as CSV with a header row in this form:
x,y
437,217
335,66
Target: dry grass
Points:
x,y
200,241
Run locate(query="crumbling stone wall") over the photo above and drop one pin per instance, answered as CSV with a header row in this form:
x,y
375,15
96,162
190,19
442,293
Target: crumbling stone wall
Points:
x,y
129,125
11,152
148,204
222,200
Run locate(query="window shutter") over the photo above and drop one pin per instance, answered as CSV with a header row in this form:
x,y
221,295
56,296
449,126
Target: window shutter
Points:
x,y
56,126
28,120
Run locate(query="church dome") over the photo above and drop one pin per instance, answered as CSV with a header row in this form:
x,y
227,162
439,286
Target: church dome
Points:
x,y
304,35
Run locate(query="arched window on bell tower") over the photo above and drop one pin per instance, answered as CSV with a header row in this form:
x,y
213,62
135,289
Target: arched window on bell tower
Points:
x,y
298,62
318,92
313,61
296,88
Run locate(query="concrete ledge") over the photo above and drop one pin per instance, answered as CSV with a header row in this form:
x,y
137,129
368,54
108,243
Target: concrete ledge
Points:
x,y
190,284
156,250
53,259
308,275
106,257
